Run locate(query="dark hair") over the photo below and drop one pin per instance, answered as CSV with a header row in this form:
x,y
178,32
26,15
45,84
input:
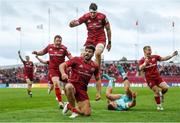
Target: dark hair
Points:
x,y
145,47
90,47
93,6
57,36
110,107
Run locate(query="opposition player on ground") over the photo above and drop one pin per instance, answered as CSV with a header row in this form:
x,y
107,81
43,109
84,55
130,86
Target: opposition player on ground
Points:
x,y
28,72
120,102
148,64
76,89
57,53
95,23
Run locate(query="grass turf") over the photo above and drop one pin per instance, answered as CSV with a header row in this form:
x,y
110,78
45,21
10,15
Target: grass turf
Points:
x,y
16,106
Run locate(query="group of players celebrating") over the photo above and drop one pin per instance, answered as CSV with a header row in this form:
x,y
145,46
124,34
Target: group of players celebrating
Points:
x,y
76,72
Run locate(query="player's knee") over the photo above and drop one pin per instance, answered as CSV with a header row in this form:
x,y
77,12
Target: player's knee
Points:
x,y
108,96
98,53
68,87
164,90
87,113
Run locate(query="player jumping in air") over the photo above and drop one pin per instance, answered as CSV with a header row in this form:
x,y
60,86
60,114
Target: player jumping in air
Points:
x,y
148,64
95,23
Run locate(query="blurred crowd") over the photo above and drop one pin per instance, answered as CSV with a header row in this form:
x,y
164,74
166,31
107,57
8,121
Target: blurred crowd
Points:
x,y
15,75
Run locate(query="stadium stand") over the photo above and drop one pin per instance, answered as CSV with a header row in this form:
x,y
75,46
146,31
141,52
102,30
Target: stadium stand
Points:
x,y
169,71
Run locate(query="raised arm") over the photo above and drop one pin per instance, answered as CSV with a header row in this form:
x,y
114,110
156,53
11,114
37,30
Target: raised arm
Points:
x,y
74,23
169,56
19,53
42,61
39,53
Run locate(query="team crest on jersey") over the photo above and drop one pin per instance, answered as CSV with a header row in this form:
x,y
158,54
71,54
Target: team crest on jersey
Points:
x,y
61,50
92,69
89,21
99,21
50,49
153,59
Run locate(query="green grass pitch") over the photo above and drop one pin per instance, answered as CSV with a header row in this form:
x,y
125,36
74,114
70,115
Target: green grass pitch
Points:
x,y
16,106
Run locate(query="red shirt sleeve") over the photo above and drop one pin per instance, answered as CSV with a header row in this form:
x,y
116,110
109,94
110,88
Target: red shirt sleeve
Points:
x,y
45,50
82,19
67,53
141,61
105,21
71,62
158,57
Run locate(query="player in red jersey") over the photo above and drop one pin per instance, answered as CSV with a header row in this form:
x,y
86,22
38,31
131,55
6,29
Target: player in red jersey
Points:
x,y
28,72
51,86
148,64
95,23
57,53
76,89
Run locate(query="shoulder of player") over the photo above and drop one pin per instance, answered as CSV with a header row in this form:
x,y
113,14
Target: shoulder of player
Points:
x,y
155,56
93,63
142,59
76,58
101,15
63,47
86,15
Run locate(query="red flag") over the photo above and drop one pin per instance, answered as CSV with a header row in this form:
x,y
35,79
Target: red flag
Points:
x,y
137,23
173,24
18,28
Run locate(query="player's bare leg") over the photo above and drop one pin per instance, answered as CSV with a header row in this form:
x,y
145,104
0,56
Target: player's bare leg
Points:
x,y
51,87
56,83
98,52
70,92
29,87
164,88
84,107
109,89
157,97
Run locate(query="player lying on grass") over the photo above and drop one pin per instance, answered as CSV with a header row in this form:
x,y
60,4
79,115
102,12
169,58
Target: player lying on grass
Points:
x,y
120,102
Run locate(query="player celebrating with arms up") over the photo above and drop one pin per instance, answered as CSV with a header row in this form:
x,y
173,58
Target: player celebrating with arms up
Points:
x,y
57,53
95,23
148,64
28,72
76,89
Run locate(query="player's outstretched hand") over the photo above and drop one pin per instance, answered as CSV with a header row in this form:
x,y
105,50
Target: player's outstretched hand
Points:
x,y
34,52
98,96
19,52
175,53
